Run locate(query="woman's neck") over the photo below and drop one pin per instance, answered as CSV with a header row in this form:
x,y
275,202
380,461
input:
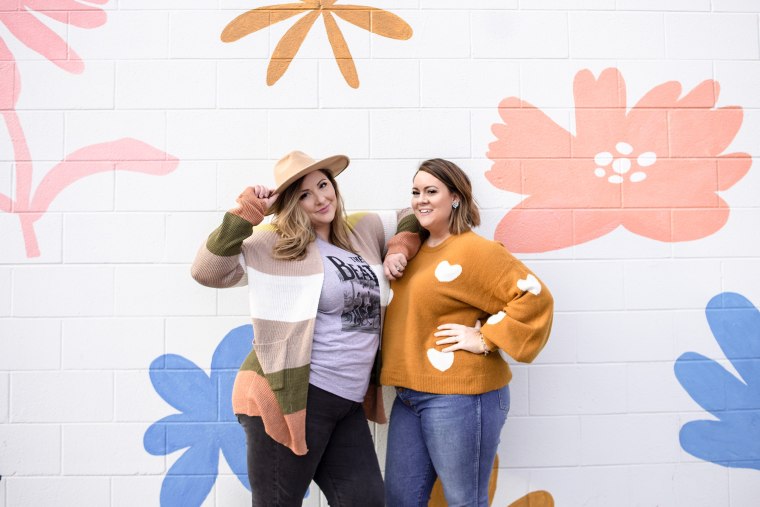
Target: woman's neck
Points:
x,y
437,238
323,233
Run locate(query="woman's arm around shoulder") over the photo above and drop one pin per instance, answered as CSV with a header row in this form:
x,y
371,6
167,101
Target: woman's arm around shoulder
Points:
x,y
217,262
403,245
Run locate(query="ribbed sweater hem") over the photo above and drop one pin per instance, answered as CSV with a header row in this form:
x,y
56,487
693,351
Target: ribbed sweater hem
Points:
x,y
474,384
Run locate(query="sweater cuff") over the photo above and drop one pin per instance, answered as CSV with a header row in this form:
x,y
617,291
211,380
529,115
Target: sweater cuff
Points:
x,y
249,207
489,344
406,243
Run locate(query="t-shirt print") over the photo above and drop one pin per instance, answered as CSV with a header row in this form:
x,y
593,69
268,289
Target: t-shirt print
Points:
x,y
361,293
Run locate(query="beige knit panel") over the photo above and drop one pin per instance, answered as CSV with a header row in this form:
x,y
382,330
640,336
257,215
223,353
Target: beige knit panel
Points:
x,y
367,237
215,271
281,345
257,254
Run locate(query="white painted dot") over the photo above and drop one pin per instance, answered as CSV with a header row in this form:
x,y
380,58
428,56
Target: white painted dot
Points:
x,y
615,178
599,172
647,158
603,158
624,148
638,176
621,165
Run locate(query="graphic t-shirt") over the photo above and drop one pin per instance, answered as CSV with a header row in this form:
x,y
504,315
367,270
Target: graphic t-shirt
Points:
x,y
347,328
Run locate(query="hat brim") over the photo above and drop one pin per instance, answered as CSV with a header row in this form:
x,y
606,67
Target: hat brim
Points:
x,y
335,164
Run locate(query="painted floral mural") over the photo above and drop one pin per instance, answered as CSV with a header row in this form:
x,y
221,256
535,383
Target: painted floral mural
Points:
x,y
732,437
655,169
373,20
205,424
29,204
22,22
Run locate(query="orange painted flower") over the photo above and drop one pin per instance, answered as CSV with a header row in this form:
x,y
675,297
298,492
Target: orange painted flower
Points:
x,y
654,169
369,18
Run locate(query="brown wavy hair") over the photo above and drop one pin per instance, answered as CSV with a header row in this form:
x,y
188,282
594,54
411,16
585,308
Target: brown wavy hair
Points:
x,y
467,215
294,226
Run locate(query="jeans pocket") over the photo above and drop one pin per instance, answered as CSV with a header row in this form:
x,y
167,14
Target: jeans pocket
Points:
x,y
504,399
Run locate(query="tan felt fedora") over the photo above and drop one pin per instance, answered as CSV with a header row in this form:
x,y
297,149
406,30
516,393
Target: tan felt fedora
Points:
x,y
297,163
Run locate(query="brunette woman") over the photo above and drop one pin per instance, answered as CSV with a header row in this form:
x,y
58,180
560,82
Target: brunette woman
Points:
x,y
462,297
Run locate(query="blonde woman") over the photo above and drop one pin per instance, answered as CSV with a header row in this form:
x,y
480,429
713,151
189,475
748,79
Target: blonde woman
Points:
x,y
317,296
461,298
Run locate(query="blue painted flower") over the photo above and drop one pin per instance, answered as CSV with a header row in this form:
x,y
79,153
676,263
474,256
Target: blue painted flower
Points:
x,y
206,423
733,440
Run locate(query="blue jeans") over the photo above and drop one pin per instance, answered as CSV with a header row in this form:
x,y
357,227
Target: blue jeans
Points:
x,y
451,436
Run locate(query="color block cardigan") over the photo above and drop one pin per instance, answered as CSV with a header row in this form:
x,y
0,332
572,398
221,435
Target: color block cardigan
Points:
x,y
284,294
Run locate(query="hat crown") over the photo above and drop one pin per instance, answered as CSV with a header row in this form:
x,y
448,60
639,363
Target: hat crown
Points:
x,y
298,164
291,164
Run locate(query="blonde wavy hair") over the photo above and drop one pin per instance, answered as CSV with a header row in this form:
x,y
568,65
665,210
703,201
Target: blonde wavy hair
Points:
x,y
295,229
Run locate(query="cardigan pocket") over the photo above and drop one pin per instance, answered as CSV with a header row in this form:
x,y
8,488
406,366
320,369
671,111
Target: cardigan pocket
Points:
x,y
276,365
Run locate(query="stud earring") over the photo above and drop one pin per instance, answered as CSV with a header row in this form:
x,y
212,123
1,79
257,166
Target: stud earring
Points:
x,y
455,204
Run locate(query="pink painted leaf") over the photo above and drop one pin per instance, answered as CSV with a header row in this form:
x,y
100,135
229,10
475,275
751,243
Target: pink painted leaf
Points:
x,y
80,19
37,36
10,80
654,169
71,12
124,154
63,5
34,34
5,203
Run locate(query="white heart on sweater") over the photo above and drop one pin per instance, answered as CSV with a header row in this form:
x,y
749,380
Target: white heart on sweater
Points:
x,y
440,360
446,272
530,284
496,318
390,296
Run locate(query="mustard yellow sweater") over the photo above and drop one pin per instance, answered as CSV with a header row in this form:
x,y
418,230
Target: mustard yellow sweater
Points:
x,y
463,280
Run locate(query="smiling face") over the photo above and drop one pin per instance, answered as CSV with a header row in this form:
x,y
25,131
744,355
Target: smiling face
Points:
x,y
316,196
431,202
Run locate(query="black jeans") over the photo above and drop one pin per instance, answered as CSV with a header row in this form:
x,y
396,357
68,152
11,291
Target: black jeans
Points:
x,y
341,458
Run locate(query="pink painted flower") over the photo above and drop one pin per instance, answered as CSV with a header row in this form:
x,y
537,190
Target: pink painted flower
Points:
x,y
23,20
30,204
654,169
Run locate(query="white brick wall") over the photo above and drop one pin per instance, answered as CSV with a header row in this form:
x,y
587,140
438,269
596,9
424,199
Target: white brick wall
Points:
x,y
30,344
62,490
595,420
4,390
619,35
53,291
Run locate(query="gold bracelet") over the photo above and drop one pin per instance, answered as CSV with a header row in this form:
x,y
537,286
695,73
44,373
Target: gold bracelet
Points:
x,y
486,351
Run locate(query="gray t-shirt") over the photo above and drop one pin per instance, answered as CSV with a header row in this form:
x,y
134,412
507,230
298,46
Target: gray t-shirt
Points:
x,y
347,328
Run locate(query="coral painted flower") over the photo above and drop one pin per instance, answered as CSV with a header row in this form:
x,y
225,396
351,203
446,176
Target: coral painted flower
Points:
x,y
206,424
654,169
22,18
732,437
369,18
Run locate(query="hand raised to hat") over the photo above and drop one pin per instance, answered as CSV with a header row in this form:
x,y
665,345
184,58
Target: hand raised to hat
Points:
x,y
268,195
